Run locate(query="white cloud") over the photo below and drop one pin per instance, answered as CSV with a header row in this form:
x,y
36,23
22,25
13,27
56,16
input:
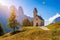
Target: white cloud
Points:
x,y
50,20
53,17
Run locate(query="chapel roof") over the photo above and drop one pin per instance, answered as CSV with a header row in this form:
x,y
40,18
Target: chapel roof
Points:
x,y
40,17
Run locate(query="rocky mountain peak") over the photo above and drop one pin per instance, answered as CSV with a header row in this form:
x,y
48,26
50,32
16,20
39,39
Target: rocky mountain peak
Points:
x,y
20,11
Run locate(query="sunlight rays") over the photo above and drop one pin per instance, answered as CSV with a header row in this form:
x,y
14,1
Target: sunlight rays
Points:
x,y
3,2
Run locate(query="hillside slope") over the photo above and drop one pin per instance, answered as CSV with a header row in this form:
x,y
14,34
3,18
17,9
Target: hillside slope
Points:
x,y
29,33
54,26
56,20
34,33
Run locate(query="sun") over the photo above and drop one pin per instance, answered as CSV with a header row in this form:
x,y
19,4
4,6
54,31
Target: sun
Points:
x,y
3,2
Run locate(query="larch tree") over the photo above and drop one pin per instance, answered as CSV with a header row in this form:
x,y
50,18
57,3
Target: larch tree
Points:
x,y
12,21
26,22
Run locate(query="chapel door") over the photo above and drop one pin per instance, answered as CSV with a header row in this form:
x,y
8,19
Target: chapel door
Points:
x,y
36,24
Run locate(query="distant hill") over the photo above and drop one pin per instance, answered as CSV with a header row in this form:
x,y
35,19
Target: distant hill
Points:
x,y
56,20
54,26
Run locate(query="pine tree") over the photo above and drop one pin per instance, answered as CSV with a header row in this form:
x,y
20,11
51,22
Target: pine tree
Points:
x,y
1,30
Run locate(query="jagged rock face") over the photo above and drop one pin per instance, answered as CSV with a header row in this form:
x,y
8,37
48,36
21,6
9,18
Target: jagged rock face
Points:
x,y
20,12
56,20
21,15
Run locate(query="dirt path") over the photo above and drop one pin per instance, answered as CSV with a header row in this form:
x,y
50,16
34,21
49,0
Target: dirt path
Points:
x,y
44,28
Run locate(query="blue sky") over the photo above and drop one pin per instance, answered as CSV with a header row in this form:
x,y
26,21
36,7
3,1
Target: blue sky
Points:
x,y
46,8
50,8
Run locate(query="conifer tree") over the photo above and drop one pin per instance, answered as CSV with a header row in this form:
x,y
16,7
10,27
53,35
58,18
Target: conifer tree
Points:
x,y
1,30
12,21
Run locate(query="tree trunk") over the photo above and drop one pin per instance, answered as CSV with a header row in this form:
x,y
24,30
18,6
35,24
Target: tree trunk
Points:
x,y
13,28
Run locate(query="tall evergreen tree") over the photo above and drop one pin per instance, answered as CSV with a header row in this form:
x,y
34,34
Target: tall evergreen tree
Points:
x,y
1,30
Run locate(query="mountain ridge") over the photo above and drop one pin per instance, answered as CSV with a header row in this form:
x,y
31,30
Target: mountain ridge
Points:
x,y
56,20
4,15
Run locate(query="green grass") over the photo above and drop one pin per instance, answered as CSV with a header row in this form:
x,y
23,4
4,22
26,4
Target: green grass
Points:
x,y
36,33
54,26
